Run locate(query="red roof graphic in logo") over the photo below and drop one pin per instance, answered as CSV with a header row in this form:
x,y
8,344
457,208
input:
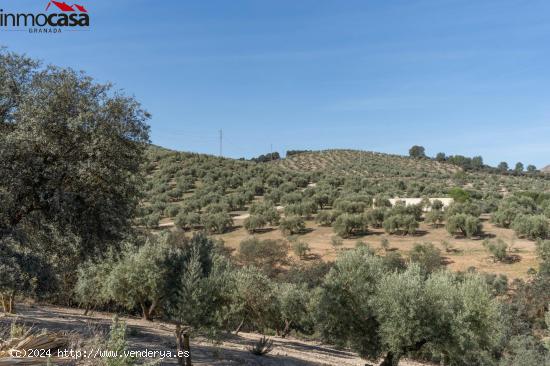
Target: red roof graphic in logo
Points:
x,y
81,8
63,6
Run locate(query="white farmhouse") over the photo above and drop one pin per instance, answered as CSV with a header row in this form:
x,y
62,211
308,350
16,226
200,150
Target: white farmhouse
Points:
x,y
415,201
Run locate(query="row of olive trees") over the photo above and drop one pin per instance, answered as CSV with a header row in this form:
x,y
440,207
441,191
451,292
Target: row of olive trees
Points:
x,y
363,302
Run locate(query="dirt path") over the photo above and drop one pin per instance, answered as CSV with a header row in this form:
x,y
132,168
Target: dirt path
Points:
x,y
158,336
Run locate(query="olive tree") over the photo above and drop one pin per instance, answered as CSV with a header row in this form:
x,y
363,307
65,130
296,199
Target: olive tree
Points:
x,y
464,224
292,225
70,157
389,314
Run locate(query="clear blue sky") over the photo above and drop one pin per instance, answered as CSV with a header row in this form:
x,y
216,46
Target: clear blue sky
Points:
x,y
462,77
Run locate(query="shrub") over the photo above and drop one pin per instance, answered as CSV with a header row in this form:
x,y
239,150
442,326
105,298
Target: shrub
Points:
x,y
292,225
304,208
464,224
385,244
427,256
187,220
393,261
266,254
152,221
172,211
468,208
347,225
498,248
261,347
531,226
254,222
309,273
117,343
459,194
375,217
435,217
300,248
437,205
326,218
267,211
543,250
405,224
392,314
217,223
350,206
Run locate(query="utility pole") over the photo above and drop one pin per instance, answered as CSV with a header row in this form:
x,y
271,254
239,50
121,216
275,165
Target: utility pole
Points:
x,y
271,151
221,142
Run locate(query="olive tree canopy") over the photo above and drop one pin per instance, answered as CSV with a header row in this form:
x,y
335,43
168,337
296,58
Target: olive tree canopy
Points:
x,y
70,154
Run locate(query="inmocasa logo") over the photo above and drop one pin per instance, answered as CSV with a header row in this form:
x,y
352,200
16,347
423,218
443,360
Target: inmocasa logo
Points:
x,y
60,16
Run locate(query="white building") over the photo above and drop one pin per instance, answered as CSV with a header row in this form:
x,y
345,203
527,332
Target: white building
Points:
x,y
415,201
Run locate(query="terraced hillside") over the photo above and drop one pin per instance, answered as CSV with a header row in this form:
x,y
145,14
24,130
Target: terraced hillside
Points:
x,y
365,164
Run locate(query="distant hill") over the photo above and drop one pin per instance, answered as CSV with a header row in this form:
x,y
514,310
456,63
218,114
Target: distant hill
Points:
x,y
546,169
365,163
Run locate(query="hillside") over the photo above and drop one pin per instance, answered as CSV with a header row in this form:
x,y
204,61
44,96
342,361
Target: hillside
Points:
x,y
365,163
546,169
192,191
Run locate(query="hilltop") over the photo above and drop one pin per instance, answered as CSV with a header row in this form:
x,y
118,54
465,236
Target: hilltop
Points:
x,y
365,163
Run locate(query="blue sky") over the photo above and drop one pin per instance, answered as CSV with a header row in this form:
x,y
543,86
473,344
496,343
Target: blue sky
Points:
x,y
462,77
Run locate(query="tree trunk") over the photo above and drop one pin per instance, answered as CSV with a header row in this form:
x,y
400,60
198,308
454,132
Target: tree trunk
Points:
x,y
183,345
287,328
187,347
239,327
152,309
4,304
144,311
11,303
391,359
179,344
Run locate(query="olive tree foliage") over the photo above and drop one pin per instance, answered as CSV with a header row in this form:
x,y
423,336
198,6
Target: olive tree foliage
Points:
x,y
417,152
23,273
399,223
70,154
525,351
531,226
435,217
381,313
510,208
292,225
267,254
464,224
347,225
254,302
427,256
145,275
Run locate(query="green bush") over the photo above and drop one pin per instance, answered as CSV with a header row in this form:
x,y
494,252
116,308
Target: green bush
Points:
x,y
300,248
427,256
254,223
531,226
266,255
217,223
498,249
347,225
404,224
464,224
326,218
292,225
